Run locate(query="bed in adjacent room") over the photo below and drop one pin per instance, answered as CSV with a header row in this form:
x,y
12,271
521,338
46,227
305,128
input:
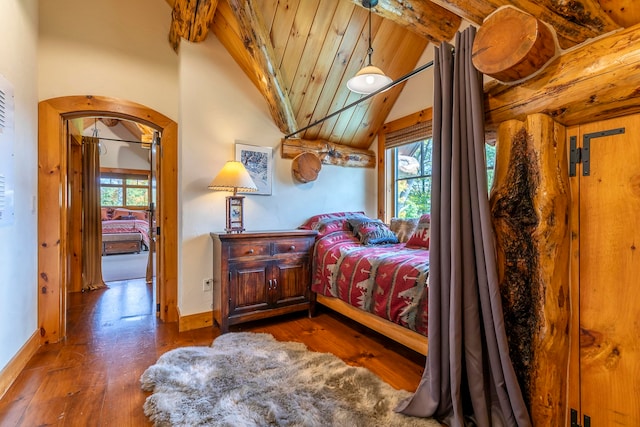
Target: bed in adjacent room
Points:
x,y
124,231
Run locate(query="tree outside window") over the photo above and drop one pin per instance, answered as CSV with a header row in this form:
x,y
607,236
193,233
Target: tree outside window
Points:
x,y
412,172
124,190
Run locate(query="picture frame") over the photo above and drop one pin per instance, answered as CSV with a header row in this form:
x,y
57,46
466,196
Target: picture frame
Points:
x,y
258,161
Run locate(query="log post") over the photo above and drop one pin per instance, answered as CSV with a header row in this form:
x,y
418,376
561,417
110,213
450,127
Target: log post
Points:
x,y
530,201
190,20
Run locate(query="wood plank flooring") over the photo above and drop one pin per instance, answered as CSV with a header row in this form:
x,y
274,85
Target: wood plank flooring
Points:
x,y
92,378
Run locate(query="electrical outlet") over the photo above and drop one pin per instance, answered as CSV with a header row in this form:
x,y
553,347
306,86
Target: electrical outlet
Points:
x,y
207,285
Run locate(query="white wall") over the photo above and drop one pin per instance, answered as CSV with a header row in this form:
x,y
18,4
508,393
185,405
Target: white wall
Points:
x,y
18,242
418,91
219,106
119,48
119,154
115,48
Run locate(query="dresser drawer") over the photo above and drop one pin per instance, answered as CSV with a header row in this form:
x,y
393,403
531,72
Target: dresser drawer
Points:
x,y
248,249
293,245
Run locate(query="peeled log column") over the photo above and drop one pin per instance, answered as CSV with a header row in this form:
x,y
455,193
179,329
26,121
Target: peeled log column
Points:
x,y
530,210
512,45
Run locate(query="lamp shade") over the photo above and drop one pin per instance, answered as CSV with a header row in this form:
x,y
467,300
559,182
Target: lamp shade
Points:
x,y
368,80
233,177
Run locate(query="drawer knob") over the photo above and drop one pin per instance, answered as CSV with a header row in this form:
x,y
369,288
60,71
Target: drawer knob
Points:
x,y
292,248
250,251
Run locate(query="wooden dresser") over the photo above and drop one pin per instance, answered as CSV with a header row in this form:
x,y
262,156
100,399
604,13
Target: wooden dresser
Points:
x,y
260,274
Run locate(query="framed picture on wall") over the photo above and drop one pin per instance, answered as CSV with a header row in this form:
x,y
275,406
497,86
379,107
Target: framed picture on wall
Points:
x,y
259,163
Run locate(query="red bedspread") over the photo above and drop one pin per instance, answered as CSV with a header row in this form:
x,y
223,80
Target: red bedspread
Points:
x,y
389,281
127,226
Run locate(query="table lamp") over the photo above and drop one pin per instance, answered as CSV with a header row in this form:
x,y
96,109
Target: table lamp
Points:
x,y
234,177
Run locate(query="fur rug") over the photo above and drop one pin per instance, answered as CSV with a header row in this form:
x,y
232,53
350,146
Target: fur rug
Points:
x,y
250,379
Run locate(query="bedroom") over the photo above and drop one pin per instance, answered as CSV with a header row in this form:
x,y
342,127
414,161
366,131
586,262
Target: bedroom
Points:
x,y
149,72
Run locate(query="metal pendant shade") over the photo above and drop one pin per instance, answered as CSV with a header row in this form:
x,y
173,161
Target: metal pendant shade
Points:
x,y
370,78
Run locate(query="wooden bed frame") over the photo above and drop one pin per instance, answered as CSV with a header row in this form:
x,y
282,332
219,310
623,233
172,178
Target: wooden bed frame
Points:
x,y
404,336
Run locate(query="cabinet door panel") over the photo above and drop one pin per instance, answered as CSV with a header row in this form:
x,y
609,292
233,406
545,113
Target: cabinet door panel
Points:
x,y
609,299
248,288
292,281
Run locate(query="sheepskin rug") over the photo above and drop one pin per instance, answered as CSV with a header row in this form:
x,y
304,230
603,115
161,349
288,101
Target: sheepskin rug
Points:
x,y
250,379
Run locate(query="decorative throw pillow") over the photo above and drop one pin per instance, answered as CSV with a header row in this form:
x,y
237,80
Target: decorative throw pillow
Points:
x,y
106,214
330,225
403,228
420,236
312,223
138,214
372,231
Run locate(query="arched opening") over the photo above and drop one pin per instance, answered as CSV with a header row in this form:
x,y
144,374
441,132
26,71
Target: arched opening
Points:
x,y
53,204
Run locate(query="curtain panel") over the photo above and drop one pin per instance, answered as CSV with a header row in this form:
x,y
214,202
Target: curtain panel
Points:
x,y
468,378
91,222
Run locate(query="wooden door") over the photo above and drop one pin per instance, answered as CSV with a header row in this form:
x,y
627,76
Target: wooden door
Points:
x,y
607,307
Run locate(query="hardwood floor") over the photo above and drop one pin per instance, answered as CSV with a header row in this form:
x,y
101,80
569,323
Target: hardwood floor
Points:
x,y
92,378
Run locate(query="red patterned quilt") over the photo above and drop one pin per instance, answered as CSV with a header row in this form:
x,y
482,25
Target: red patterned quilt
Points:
x,y
389,281
127,226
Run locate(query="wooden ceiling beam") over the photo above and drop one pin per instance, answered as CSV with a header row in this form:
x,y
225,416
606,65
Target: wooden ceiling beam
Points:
x,y
597,81
625,13
329,153
190,20
264,65
574,22
422,17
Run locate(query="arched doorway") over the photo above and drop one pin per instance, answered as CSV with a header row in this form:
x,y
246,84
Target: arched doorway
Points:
x,y
53,241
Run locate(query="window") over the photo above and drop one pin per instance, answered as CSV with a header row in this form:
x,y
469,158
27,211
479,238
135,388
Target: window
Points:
x,y
412,172
406,148
413,179
128,190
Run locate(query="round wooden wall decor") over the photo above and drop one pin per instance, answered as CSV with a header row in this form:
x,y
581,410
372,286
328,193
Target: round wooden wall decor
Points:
x,y
306,167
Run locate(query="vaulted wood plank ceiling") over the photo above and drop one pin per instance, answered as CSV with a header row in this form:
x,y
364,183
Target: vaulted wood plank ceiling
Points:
x,y
300,53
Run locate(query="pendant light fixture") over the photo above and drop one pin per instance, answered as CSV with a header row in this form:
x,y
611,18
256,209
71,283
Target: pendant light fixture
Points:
x,y
370,78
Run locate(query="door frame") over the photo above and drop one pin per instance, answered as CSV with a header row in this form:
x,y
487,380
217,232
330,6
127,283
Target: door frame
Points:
x,y
53,204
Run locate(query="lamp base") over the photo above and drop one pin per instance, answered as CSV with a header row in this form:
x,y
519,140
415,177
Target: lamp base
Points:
x,y
235,214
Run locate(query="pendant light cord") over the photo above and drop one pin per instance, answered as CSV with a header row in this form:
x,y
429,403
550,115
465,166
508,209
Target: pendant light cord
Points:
x,y
370,51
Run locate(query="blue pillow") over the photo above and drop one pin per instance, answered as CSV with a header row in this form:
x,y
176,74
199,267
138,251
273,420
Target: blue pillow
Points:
x,y
372,231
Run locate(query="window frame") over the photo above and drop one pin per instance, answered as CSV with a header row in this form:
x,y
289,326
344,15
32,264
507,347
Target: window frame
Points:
x,y
125,174
421,175
386,164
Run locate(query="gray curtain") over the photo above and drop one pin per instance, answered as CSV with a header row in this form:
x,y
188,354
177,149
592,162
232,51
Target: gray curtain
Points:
x,y
468,377
91,222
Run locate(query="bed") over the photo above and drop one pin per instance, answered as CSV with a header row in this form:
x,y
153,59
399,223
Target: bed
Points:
x,y
379,281
124,231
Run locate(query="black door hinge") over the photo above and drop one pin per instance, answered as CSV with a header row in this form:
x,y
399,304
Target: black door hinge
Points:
x,y
575,157
158,308
574,419
574,413
157,231
583,155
